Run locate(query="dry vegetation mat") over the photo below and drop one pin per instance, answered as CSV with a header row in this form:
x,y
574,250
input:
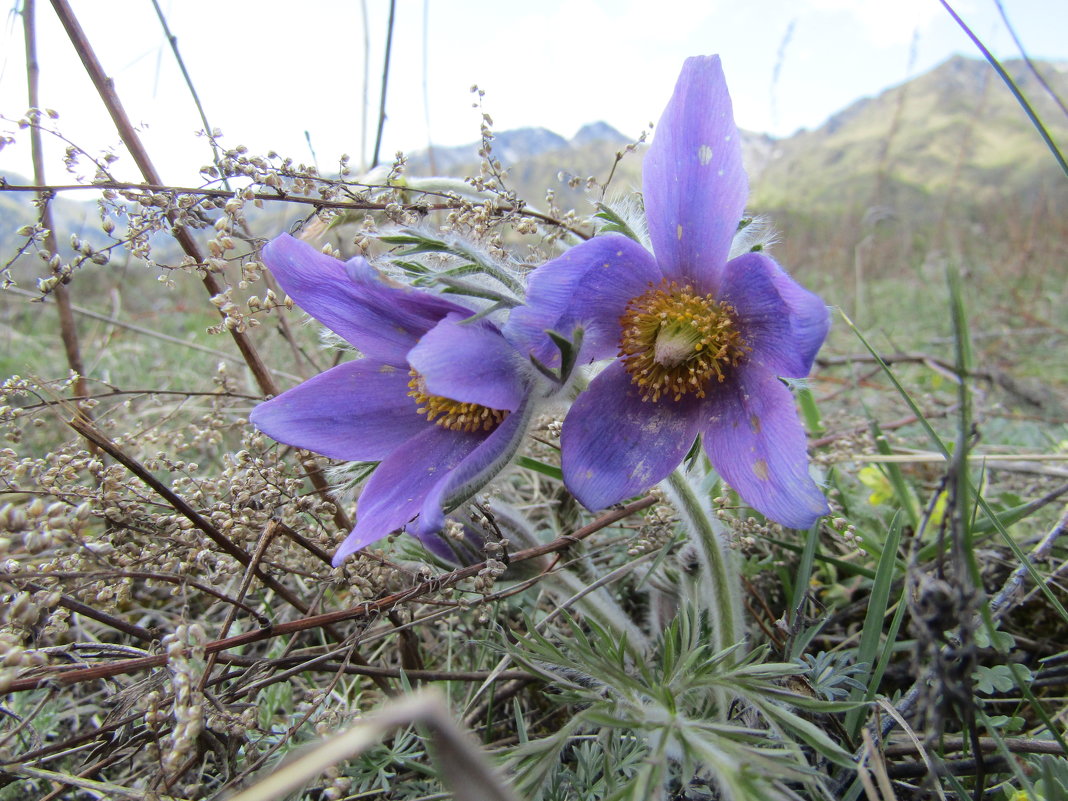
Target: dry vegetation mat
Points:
x,y
324,485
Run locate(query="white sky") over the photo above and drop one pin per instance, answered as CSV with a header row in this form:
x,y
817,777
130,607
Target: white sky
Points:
x,y
269,70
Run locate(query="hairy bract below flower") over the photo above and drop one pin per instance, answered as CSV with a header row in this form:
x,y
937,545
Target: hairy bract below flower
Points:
x,y
441,401
700,340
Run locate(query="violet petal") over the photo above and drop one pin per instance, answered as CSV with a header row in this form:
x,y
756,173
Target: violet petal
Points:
x,y
755,441
781,321
694,184
599,301
470,363
396,490
616,445
357,411
476,470
352,301
589,285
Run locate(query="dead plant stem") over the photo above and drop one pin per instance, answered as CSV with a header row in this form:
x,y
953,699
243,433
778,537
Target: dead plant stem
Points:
x,y
361,611
68,330
106,89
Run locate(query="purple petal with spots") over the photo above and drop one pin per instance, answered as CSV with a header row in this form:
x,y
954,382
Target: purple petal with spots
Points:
x,y
781,321
474,472
357,411
352,301
694,185
471,363
616,445
754,439
400,484
599,300
608,271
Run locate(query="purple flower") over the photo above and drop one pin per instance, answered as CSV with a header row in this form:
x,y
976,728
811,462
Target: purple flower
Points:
x,y
700,340
441,402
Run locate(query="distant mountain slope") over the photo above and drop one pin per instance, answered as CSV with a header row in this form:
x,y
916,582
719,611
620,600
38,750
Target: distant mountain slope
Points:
x,y
952,136
956,127
538,159
956,130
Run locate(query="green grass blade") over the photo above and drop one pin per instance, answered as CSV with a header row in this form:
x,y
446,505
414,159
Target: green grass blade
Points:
x,y
871,633
810,412
804,574
1009,82
920,416
540,467
905,496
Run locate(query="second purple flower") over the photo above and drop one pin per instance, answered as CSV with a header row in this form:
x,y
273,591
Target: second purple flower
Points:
x,y
700,341
441,401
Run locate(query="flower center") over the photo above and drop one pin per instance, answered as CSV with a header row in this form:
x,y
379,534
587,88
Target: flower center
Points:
x,y
450,414
674,341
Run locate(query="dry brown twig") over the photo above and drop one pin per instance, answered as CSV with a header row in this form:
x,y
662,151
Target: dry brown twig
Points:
x,y
106,89
364,610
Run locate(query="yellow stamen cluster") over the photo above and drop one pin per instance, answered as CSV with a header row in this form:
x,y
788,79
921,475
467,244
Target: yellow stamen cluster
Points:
x,y
450,414
674,341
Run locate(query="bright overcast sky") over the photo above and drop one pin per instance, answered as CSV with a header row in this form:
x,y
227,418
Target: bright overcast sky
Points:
x,y
268,71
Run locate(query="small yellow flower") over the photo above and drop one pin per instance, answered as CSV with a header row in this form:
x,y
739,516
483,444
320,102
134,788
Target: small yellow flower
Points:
x,y
875,479
939,510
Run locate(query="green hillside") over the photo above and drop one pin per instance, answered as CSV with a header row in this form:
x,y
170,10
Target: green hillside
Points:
x,y
951,145
956,129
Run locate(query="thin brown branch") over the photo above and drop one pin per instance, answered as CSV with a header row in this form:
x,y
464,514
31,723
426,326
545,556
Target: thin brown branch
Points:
x,y
363,611
76,606
447,204
950,745
91,433
106,89
96,436
122,393
305,543
246,581
864,428
954,767
147,576
303,663
948,369
68,330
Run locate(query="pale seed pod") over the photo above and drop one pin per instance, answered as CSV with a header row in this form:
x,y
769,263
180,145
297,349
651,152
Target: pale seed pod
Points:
x,y
22,609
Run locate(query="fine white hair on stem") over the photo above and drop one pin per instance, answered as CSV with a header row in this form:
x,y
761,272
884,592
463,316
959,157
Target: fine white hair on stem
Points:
x,y
629,206
756,234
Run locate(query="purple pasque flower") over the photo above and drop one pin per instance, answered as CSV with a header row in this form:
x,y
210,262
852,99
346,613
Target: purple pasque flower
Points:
x,y
700,340
441,402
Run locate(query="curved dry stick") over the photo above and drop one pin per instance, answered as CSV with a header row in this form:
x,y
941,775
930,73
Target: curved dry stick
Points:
x,y
367,609
68,330
138,574
285,197
106,89
300,664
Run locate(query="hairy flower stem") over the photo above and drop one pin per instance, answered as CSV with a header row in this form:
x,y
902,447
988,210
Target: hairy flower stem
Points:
x,y
718,585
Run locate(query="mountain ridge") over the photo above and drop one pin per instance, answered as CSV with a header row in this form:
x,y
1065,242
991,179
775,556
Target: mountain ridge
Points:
x,y
954,133
954,125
